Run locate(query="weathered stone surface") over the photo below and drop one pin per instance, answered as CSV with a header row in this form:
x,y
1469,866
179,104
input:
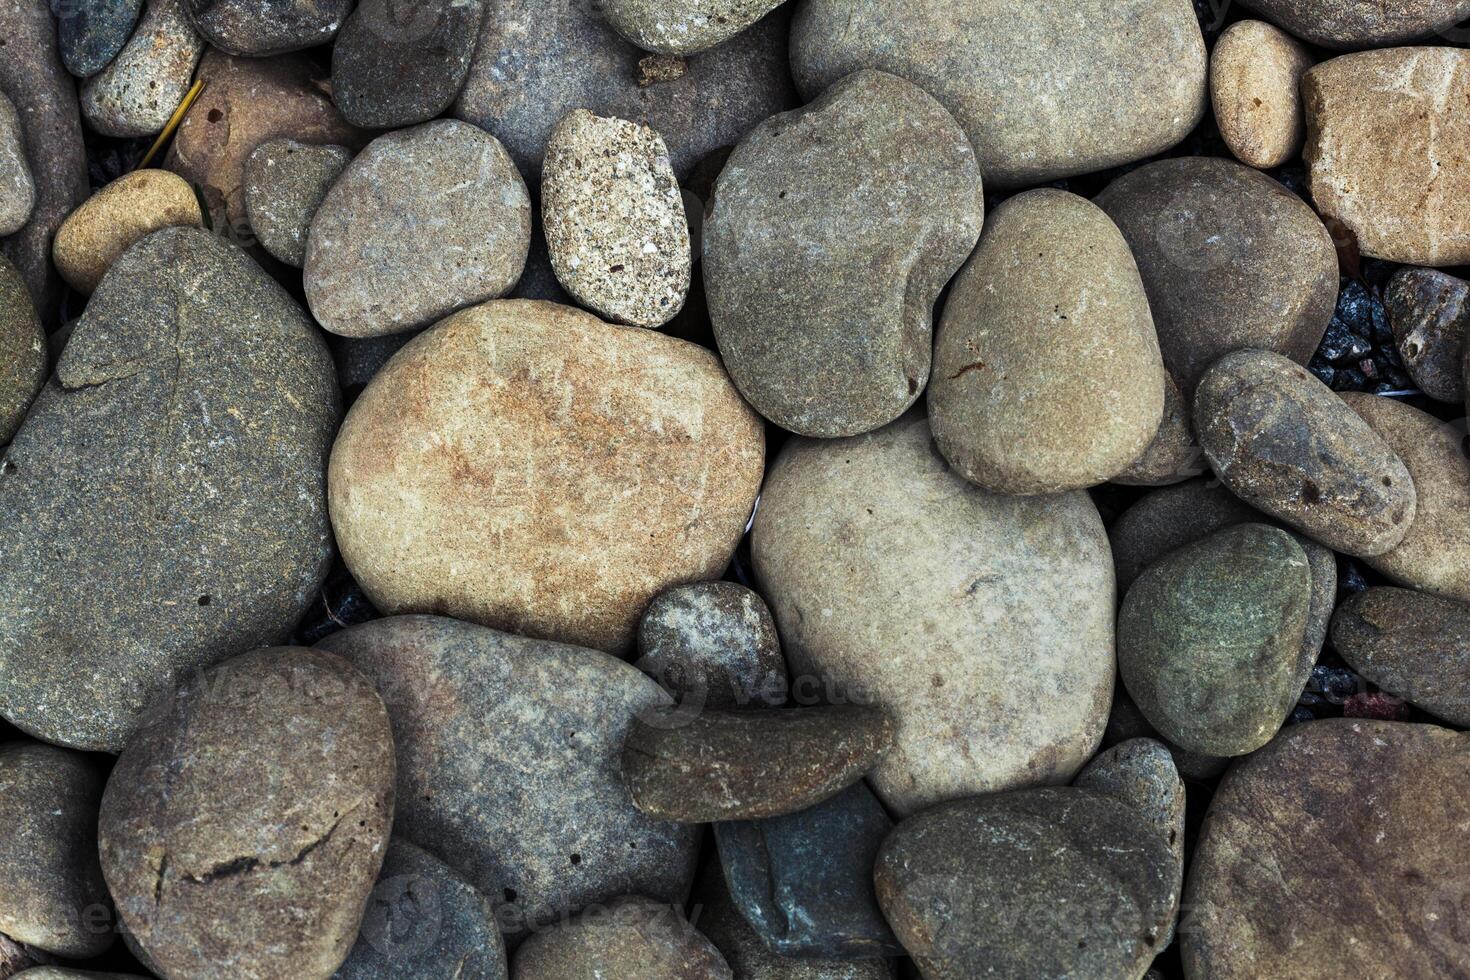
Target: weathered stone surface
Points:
x,y
117,217
17,187
632,936
1323,566
1047,375
1230,259
243,827
683,27
1285,443
1385,131
1255,89
1125,722
90,33
425,221
749,765
137,93
614,219
833,229
1413,645
804,881
895,580
1429,313
508,766
22,351
1264,901
713,644
1352,24
530,69
1173,456
285,182
256,28
55,898
397,65
1044,90
1170,518
1037,883
472,476
165,496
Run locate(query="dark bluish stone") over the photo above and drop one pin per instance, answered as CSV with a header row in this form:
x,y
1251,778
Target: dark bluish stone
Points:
x,y
90,33
1340,345
1336,684
804,881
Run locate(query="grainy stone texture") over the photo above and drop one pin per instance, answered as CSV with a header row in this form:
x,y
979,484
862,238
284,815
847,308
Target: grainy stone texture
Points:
x,y
1037,883
683,27
614,219
137,94
714,644
1230,259
90,33
1283,442
263,27
22,351
632,936
1323,565
166,497
396,64
117,217
1354,24
1255,89
55,898
243,828
832,230
64,973
1171,518
473,476
1173,455
17,186
508,766
1044,89
1429,312
1264,901
1386,131
1412,645
893,579
748,765
1125,721
425,221
532,67
1047,374
285,182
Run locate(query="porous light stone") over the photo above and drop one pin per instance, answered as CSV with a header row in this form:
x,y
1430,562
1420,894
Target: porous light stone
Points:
x,y
397,64
1385,134
285,183
165,497
243,828
898,582
17,187
1047,375
508,766
1173,456
713,644
138,92
1429,312
22,351
632,936
1255,89
257,28
472,477
90,33
1045,89
832,231
1353,24
423,222
118,216
683,27
1230,259
614,219
1263,901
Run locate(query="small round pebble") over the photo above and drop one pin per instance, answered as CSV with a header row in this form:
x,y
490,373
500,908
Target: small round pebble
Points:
x,y
1255,87
17,187
137,93
1429,312
631,936
23,353
683,27
124,212
713,644
285,183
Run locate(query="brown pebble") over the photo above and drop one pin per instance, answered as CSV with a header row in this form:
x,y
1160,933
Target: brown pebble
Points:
x,y
1429,313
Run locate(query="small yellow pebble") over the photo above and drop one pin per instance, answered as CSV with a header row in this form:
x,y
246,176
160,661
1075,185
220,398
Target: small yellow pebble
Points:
x,y
119,215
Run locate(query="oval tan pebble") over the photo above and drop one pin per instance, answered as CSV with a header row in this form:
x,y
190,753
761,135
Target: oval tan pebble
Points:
x,y
1255,78
529,467
124,212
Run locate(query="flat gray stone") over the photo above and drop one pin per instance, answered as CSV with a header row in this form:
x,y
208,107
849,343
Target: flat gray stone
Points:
x,y
397,64
256,28
285,184
17,187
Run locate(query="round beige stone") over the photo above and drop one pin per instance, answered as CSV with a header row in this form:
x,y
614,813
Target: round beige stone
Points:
x,y
1255,87
124,212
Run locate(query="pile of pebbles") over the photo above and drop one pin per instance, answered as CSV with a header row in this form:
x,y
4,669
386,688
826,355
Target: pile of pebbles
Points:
x,y
734,490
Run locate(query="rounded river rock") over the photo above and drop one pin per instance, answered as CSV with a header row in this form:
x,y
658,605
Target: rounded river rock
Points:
x,y
714,644
23,352
1412,645
285,183
632,936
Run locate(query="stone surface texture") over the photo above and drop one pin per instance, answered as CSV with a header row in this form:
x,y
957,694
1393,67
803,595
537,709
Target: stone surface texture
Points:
x,y
285,183
138,92
117,217
1255,89
1429,312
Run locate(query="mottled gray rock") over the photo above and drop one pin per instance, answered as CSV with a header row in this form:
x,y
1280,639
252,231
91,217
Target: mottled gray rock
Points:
x,y
1170,518
22,351
166,493
1412,645
256,28
1045,89
632,936
425,221
714,644
1429,313
833,229
90,33
508,765
65,973
1173,455
285,182
1353,24
683,27
397,64
17,187
138,93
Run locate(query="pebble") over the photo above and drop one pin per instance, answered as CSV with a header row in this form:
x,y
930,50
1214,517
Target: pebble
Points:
x,y
531,69
497,435
1230,259
1047,375
137,93
1410,644
749,765
289,739
683,27
1125,721
804,881
165,495
1283,442
1013,598
1044,90
1395,206
55,898
424,221
117,217
1169,518
1429,312
23,354
284,185
256,28
17,187
632,936
832,230
614,219
1255,88
90,33
1173,456
1352,24
1095,890
508,766
713,644
1337,850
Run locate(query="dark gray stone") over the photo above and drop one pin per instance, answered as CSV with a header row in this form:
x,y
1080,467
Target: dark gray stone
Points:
x,y
256,28
285,182
90,33
1429,311
22,351
713,644
1411,644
